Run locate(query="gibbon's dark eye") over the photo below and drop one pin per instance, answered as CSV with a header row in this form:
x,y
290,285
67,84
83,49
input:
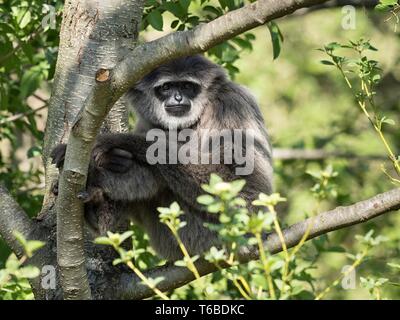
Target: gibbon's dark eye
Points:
x,y
187,85
165,87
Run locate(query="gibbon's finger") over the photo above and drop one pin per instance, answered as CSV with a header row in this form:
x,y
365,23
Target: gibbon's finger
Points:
x,y
116,167
124,164
120,153
98,156
109,163
58,155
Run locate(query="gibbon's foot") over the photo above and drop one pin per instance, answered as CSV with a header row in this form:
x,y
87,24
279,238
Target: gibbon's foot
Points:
x,y
94,194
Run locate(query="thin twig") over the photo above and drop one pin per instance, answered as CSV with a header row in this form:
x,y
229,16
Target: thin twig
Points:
x,y
18,116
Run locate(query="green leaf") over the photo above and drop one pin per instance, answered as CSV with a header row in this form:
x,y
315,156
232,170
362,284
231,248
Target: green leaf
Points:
x,y
180,263
185,4
333,46
327,62
103,240
30,81
176,9
388,2
34,245
21,239
35,151
260,280
6,28
276,37
388,121
394,265
205,199
213,10
126,235
26,19
12,263
29,272
156,20
245,44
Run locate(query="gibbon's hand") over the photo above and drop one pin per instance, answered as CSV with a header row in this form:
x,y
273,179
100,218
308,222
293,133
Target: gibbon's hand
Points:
x,y
112,159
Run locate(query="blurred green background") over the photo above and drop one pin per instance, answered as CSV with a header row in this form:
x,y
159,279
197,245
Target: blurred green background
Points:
x,y
306,105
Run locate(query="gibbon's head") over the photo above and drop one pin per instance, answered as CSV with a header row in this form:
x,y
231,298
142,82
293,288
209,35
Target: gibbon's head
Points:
x,y
175,95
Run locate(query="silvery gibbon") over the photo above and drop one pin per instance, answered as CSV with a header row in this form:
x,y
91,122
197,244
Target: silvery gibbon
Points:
x,y
189,95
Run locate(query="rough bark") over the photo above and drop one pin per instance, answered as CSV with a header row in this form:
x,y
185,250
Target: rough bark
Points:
x,y
94,35
13,218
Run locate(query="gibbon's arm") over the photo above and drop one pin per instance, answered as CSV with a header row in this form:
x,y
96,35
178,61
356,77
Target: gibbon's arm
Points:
x,y
141,180
114,169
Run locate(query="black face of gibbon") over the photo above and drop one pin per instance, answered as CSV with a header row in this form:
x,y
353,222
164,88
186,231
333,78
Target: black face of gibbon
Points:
x,y
177,96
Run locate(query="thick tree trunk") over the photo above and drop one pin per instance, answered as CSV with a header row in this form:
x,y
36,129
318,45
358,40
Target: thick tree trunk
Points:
x,y
94,35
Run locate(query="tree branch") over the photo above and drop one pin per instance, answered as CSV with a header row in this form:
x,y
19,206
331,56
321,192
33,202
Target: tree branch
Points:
x,y
366,4
320,154
13,218
342,3
146,57
130,287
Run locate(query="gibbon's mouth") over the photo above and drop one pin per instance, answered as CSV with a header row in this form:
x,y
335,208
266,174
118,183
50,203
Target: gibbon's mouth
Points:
x,y
177,109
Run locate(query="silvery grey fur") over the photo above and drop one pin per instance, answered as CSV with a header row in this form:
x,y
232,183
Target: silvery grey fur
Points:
x,y
141,188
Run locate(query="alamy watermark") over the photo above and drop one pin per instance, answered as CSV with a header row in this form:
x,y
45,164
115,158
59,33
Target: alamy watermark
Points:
x,y
349,18
349,280
48,280
204,146
49,20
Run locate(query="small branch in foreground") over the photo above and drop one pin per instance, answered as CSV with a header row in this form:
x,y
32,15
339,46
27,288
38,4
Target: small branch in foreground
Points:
x,y
341,217
13,218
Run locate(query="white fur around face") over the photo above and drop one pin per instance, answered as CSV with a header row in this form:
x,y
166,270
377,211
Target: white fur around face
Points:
x,y
150,108
171,122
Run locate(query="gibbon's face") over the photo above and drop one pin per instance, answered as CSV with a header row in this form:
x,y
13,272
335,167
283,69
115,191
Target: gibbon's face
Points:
x,y
171,102
175,95
176,103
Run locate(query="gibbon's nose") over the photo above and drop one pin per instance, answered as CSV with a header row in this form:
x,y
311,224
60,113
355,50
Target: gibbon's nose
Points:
x,y
178,97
